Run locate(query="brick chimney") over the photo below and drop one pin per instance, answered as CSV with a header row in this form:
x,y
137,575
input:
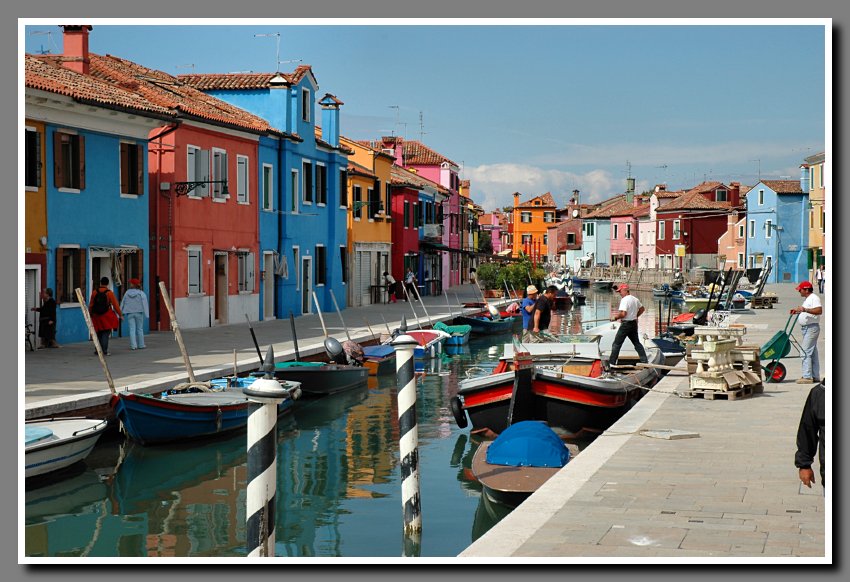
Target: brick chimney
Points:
x,y
75,40
330,119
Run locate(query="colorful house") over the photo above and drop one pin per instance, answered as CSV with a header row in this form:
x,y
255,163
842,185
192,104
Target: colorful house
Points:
x,y
489,222
307,242
778,229
532,220
596,229
813,180
624,232
86,189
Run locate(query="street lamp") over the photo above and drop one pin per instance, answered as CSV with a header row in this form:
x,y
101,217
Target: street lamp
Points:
x,y
182,188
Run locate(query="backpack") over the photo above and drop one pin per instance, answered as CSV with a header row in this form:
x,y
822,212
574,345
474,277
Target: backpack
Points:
x,y
100,304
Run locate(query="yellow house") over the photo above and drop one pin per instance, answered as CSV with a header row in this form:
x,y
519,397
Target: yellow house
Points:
x,y
369,224
532,220
817,210
35,216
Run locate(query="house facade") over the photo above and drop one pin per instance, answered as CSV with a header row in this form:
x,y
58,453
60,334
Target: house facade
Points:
x,y
531,221
778,229
687,229
489,222
624,233
812,180
732,244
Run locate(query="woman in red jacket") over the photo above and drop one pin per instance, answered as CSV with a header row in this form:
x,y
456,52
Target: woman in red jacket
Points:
x,y
105,313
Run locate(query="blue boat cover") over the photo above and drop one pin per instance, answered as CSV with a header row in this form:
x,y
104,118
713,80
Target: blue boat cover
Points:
x,y
36,433
529,443
378,351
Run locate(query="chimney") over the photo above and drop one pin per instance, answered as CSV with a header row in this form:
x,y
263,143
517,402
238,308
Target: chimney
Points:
x,y
804,178
281,111
516,199
330,119
575,198
75,40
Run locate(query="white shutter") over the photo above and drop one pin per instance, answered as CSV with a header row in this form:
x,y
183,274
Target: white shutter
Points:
x,y
250,272
30,298
202,171
355,296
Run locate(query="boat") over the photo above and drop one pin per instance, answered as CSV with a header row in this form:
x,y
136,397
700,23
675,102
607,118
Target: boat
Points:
x,y
580,281
521,459
663,291
458,334
577,396
322,378
54,444
563,301
185,414
379,360
603,284
486,325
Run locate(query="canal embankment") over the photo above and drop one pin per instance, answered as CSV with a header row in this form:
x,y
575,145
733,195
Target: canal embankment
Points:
x,y
725,488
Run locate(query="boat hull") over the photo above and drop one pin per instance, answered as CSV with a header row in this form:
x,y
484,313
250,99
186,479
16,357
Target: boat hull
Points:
x,y
507,485
327,379
72,441
458,339
486,326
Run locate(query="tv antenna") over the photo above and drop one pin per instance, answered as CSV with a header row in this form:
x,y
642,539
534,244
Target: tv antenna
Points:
x,y
277,60
759,168
190,66
422,131
49,35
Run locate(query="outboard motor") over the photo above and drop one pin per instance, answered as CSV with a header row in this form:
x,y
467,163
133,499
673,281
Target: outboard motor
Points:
x,y
700,317
335,351
353,352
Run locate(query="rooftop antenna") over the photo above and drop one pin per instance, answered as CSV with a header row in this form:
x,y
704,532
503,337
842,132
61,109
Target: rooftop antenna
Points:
x,y
190,66
422,131
759,168
277,43
49,35
396,124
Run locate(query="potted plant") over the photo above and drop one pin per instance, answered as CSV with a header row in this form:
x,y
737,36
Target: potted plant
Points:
x,y
489,277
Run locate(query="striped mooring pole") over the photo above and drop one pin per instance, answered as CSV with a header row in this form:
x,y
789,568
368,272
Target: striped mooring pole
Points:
x,y
408,432
264,395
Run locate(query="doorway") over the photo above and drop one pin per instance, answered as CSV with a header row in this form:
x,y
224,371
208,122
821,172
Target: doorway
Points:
x,y
306,284
32,292
268,286
220,315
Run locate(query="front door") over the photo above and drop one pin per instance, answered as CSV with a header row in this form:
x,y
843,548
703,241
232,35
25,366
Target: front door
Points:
x,y
220,315
32,291
268,286
306,284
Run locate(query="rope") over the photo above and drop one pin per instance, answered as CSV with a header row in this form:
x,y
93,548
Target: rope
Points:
x,y
202,386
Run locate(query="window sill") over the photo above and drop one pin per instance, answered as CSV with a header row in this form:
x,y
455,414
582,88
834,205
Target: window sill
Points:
x,y
69,305
130,196
243,203
69,190
219,200
32,188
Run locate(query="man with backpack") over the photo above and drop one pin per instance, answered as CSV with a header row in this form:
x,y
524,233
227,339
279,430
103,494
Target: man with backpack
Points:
x,y
105,313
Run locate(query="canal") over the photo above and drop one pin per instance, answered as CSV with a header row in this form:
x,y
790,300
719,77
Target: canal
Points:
x,y
338,486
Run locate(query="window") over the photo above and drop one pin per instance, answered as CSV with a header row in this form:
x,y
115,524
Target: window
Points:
x,y
321,185
132,168
69,161
70,272
198,169
374,198
321,265
752,229
767,228
358,208
268,187
548,216
525,216
820,175
307,183
387,204
406,214
343,262
628,231
721,196
526,239
616,231
245,272
294,188
590,229
546,239
343,189
661,225
571,238
219,174
305,105
33,158
741,260
740,231
677,232
761,197
195,271
242,180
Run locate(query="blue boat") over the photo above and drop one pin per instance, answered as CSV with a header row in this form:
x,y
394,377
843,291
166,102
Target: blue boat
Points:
x,y
484,325
379,360
458,334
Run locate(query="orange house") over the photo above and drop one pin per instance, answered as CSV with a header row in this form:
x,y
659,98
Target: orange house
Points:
x,y
531,222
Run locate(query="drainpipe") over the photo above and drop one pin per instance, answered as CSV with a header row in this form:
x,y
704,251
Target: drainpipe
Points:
x,y
160,146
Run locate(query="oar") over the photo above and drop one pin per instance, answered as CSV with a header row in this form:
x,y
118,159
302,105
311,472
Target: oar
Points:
x,y
294,337
338,312
319,310
449,305
254,337
87,316
176,329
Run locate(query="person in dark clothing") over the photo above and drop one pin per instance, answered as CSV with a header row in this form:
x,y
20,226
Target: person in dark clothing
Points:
x,y
542,315
811,436
47,319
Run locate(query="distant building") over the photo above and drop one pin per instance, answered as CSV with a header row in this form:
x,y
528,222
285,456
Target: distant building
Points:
x,y
812,180
778,229
531,221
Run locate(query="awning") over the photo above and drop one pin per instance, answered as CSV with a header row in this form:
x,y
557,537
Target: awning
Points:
x,y
122,250
505,252
430,245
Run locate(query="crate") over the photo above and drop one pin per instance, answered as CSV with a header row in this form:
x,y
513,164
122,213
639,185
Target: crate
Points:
x,y
737,394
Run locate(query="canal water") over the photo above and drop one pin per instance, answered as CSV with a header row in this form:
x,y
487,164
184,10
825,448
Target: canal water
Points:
x,y
338,486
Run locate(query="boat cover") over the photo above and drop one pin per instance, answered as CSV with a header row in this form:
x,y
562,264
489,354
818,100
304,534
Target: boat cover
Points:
x,y
36,433
378,351
453,329
284,365
529,443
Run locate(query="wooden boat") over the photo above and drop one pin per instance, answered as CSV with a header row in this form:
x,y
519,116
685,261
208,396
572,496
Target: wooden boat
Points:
x,y
603,284
379,360
519,461
672,354
577,397
186,414
563,302
321,378
57,443
580,281
486,325
578,298
663,291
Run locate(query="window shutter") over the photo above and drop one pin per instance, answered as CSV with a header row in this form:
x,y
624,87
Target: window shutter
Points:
x,y
251,272
60,276
202,171
125,167
81,144
58,177
140,168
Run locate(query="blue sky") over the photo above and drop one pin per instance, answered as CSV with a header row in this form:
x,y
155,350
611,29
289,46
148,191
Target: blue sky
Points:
x,y
536,108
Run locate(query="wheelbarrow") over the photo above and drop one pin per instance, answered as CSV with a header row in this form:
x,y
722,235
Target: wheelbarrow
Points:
x,y
778,347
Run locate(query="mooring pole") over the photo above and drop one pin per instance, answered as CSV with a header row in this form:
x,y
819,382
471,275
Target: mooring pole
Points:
x,y
264,395
408,435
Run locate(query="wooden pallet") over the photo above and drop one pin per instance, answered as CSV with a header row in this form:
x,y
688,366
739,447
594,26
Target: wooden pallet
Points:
x,y
742,392
762,303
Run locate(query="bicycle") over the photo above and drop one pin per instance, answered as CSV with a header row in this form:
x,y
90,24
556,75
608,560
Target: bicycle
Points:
x,y
29,336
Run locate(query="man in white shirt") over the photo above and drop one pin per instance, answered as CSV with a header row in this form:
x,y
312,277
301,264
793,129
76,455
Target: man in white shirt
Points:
x,y
629,310
809,320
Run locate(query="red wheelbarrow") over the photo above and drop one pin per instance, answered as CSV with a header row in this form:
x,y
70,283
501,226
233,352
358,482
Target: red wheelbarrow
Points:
x,y
778,347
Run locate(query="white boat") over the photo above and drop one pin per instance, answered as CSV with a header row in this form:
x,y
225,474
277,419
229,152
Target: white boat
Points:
x,y
57,443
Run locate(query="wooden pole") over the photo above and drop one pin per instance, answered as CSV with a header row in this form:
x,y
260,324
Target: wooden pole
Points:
x,y
410,301
369,327
176,329
319,310
422,303
386,325
449,305
254,337
338,312
294,337
87,316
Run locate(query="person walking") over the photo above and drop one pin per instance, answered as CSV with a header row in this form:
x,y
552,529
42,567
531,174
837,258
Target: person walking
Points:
x,y
47,319
527,310
391,287
410,283
134,306
629,310
811,436
809,320
105,313
543,313
820,277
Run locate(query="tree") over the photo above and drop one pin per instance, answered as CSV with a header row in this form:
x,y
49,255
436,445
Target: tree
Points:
x,y
485,242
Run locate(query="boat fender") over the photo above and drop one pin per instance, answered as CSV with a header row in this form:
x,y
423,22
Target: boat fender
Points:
x,y
458,412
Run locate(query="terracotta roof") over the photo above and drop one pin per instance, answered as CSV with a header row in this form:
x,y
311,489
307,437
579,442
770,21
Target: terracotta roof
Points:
x,y
617,208
329,100
546,201
706,187
784,186
163,91
669,194
418,154
401,177
641,211
695,200
354,168
212,81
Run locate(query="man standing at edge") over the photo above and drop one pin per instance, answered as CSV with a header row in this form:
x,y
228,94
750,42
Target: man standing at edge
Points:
x,y
542,313
809,321
527,307
629,310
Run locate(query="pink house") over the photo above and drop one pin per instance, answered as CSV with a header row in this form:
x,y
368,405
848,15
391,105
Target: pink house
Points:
x,y
732,244
624,233
490,223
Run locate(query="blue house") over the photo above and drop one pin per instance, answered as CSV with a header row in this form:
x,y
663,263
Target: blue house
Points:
x,y
302,187
95,189
778,229
596,230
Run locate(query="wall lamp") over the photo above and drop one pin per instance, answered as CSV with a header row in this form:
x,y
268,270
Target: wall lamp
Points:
x,y
182,188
